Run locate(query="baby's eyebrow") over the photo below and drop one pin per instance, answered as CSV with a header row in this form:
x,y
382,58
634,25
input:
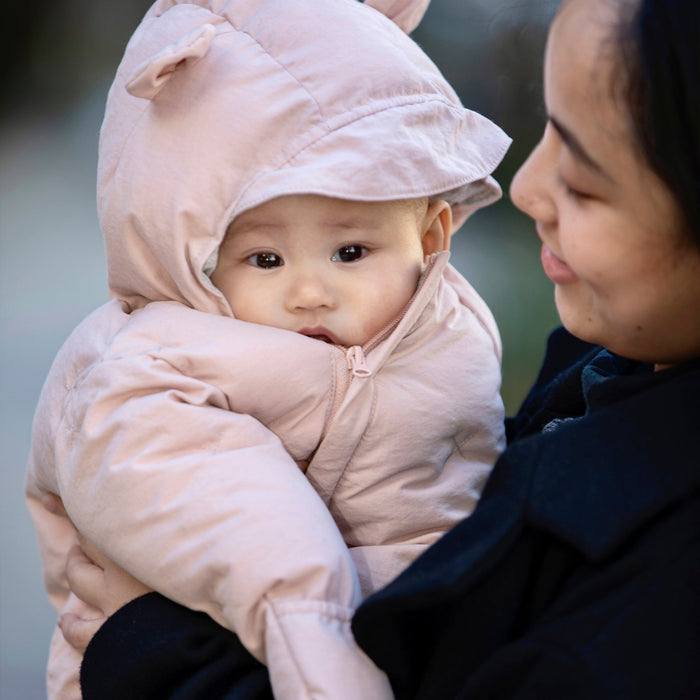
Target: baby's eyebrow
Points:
x,y
253,226
348,224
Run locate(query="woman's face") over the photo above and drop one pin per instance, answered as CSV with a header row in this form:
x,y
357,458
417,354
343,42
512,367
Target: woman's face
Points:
x,y
626,274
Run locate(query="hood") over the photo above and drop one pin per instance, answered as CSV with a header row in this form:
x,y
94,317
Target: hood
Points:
x,y
220,105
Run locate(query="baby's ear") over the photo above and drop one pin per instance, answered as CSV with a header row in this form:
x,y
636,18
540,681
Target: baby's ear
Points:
x,y
437,228
407,14
150,77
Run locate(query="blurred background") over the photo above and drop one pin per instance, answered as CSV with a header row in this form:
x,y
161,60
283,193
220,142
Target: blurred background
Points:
x,y
57,63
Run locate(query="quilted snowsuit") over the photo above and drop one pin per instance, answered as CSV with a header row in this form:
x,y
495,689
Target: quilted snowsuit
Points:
x,y
171,430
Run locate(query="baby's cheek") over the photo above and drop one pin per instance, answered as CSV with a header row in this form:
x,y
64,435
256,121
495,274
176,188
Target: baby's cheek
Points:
x,y
386,306
370,328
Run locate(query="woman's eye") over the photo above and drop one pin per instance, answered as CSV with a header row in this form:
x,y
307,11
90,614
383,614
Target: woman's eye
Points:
x,y
267,261
349,253
572,192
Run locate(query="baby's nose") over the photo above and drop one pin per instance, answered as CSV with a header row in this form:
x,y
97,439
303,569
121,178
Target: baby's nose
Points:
x,y
309,291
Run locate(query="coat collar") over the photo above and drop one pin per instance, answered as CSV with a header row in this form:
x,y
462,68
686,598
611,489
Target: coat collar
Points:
x,y
600,478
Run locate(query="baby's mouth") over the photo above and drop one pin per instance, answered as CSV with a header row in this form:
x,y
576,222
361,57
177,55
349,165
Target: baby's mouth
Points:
x,y
319,334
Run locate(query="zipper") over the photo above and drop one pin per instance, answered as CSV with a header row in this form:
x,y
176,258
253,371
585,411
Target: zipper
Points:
x,y
355,355
356,362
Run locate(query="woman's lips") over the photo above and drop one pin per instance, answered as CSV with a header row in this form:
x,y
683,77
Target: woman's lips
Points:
x,y
557,270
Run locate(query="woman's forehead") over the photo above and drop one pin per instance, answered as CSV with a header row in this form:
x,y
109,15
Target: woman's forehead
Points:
x,y
582,64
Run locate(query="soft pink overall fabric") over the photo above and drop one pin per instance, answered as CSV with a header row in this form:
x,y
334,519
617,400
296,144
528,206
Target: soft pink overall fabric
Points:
x,y
170,429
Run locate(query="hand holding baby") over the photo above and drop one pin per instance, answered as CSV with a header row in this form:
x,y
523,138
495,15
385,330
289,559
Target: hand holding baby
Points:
x,y
97,581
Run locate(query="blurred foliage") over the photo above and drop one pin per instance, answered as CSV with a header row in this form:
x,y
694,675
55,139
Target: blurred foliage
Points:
x,y
491,52
55,51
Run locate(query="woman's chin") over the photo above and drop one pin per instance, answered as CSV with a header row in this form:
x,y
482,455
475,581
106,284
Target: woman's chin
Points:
x,y
576,315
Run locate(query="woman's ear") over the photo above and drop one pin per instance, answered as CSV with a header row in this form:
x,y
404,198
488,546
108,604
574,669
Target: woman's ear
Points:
x,y
437,228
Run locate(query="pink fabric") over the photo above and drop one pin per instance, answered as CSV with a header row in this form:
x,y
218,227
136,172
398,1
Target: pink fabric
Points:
x,y
171,436
320,96
407,14
171,430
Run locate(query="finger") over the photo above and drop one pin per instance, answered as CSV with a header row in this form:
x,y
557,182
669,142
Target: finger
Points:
x,y
54,504
77,631
84,577
91,552
123,588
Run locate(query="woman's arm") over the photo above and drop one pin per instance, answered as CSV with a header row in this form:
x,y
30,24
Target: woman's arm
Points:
x,y
154,648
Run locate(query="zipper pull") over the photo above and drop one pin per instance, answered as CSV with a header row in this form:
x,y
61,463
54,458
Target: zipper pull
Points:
x,y
356,362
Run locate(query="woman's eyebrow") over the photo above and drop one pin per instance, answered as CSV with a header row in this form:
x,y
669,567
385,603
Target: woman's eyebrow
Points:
x,y
577,148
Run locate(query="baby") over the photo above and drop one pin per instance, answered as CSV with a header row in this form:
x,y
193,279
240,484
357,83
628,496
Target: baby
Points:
x,y
277,185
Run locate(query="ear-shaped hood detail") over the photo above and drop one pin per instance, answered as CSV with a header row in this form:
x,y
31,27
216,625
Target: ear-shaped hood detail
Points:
x,y
154,72
407,14
220,105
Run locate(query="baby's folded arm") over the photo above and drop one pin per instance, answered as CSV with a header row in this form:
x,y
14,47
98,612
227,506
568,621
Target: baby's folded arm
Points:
x,y
200,503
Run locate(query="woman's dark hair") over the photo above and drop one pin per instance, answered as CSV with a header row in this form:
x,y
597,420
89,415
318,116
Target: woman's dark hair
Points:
x,y
660,48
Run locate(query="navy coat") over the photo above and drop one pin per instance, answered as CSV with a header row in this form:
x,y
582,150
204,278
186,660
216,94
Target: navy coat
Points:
x,y
576,576
579,574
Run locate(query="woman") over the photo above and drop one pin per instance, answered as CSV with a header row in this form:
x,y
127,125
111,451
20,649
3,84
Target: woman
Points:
x,y
576,576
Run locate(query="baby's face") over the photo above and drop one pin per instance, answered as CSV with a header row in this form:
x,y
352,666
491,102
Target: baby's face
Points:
x,y
328,268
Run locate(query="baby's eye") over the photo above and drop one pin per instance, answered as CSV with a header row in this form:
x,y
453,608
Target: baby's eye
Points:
x,y
265,260
349,253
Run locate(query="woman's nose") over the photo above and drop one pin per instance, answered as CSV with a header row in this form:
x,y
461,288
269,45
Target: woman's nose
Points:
x,y
531,188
